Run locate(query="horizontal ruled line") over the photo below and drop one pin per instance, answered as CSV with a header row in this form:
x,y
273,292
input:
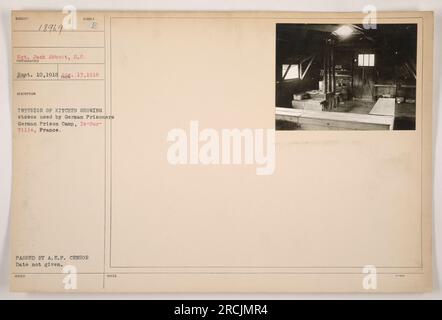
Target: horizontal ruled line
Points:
x,y
56,47
58,62
58,32
59,80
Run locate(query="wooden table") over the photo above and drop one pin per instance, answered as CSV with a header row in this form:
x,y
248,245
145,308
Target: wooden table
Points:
x,y
384,107
326,120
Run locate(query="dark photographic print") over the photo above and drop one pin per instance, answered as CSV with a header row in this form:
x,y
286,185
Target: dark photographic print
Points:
x,y
346,77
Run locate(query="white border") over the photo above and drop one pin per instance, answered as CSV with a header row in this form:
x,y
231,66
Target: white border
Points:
x,y
216,5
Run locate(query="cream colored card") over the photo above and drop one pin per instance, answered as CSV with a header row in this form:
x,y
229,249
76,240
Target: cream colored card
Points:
x,y
127,176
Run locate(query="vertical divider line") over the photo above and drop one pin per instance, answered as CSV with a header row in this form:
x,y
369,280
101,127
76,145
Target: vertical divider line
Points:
x,y
105,155
110,143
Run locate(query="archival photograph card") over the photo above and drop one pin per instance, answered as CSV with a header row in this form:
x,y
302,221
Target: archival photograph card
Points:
x,y
221,151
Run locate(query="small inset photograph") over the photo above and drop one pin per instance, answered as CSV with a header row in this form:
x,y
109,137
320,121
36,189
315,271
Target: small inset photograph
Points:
x,y
346,77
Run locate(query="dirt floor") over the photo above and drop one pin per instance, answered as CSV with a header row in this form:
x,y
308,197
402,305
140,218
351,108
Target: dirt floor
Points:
x,y
405,116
